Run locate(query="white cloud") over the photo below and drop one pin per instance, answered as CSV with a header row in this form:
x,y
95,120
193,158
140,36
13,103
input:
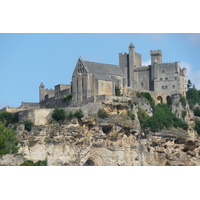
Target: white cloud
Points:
x,y
194,76
146,63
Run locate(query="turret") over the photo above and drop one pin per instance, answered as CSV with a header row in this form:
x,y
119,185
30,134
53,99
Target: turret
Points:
x,y
131,65
156,57
41,90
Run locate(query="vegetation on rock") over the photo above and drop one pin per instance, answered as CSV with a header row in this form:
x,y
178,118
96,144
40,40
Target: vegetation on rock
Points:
x,y
31,163
117,91
8,142
28,125
58,114
102,113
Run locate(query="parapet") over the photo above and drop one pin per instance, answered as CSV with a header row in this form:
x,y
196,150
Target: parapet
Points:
x,y
156,52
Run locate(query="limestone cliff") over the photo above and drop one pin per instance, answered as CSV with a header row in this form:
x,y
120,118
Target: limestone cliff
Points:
x,y
113,141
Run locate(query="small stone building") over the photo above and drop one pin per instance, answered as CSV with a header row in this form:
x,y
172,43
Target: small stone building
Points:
x,y
91,79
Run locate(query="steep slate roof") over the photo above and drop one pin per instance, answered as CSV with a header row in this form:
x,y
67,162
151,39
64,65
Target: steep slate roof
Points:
x,y
102,71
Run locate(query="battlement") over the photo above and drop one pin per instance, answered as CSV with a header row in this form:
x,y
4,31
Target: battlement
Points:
x,y
123,54
156,52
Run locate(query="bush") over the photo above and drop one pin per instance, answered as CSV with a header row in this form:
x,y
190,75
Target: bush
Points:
x,y
197,126
58,114
67,99
196,112
69,115
162,118
102,113
147,96
79,114
183,114
183,100
8,142
28,125
142,116
31,163
117,91
131,115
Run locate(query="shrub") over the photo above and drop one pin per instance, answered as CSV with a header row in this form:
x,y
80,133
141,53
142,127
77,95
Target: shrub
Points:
x,y
8,142
58,114
162,118
138,94
183,100
131,115
102,113
147,96
196,112
31,163
79,114
142,116
183,114
69,115
28,125
117,91
67,99
197,126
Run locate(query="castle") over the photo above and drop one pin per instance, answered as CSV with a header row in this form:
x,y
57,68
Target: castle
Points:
x,y
91,79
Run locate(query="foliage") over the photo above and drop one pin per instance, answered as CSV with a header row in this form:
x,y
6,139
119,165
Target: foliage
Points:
x,y
28,125
189,84
138,94
193,96
131,115
117,91
162,118
196,112
58,114
197,126
142,116
149,98
47,105
67,99
8,142
183,114
169,101
69,115
31,163
79,114
183,100
102,113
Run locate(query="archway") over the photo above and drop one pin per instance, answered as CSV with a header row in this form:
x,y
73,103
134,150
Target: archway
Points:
x,y
168,99
160,99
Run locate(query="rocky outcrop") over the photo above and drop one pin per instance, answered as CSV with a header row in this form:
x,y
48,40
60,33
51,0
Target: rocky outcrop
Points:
x,y
113,141
103,142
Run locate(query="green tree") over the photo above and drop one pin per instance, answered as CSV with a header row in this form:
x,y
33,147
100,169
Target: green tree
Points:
x,y
8,142
189,84
196,112
79,114
117,91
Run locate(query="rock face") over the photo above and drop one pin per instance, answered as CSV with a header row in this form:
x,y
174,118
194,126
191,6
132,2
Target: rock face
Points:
x,y
103,142
113,141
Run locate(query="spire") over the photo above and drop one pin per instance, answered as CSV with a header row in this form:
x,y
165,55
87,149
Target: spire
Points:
x,y
41,85
131,45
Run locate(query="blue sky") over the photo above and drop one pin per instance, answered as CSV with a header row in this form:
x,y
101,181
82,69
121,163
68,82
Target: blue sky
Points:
x,y
28,59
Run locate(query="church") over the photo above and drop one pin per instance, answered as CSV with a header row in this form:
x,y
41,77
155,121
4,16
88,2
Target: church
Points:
x,y
91,79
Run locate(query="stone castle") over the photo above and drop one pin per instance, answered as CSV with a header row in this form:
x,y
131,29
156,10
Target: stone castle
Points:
x,y
91,79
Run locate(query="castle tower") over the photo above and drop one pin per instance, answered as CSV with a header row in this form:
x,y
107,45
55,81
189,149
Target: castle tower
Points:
x,y
156,57
131,65
41,90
